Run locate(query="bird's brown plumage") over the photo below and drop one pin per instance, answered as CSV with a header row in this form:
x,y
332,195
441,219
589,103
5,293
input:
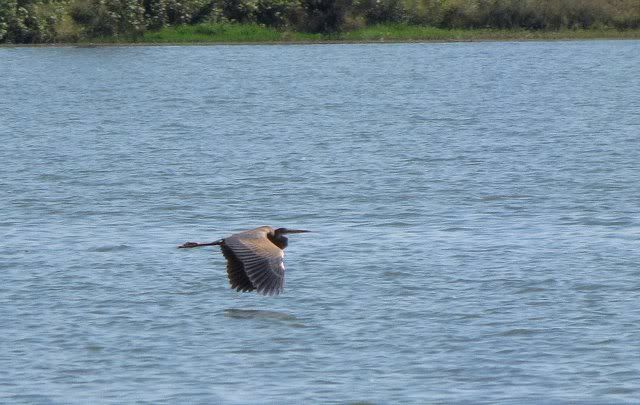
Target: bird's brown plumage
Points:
x,y
255,258
262,262
235,271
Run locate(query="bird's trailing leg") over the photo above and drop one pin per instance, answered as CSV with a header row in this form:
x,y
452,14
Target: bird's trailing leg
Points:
x,y
194,244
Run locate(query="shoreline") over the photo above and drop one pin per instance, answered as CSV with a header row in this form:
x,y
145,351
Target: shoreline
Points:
x,y
382,34
301,43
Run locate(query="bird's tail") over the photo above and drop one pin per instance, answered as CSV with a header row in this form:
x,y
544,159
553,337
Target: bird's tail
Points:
x,y
194,244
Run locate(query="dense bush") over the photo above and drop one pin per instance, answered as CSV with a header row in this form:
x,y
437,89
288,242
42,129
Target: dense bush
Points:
x,y
273,13
29,21
242,11
324,15
279,13
537,14
8,10
381,11
423,12
160,13
109,17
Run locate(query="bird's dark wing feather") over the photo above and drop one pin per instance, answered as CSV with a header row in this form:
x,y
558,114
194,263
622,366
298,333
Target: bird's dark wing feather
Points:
x,y
262,261
235,271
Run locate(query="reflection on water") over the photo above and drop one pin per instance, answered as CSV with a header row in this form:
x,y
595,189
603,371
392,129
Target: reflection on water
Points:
x,y
258,314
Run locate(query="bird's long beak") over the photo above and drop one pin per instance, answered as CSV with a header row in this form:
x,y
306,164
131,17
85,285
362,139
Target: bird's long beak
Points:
x,y
295,231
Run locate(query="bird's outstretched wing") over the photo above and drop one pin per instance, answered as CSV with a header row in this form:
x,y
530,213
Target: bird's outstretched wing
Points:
x,y
262,262
235,271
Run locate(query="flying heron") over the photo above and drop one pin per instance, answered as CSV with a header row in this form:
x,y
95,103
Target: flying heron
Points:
x,y
255,258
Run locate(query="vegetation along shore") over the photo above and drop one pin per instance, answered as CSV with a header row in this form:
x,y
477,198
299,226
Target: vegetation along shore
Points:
x,y
229,21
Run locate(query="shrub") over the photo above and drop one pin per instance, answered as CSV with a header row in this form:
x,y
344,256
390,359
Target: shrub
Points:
x,y
278,13
109,17
8,10
160,13
324,16
242,11
423,12
457,14
381,11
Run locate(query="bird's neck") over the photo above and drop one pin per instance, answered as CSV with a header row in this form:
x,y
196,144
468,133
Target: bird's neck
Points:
x,y
279,240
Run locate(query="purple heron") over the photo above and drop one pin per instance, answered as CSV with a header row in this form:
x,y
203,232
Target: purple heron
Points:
x,y
255,258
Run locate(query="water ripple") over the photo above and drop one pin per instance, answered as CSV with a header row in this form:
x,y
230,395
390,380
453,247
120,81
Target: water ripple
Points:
x,y
474,209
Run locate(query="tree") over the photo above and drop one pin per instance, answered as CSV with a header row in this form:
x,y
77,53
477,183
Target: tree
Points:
x,y
325,16
109,17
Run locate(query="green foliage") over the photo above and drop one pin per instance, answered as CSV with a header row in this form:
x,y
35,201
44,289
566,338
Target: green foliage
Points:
x,y
407,32
8,10
109,17
272,13
161,13
381,11
230,33
30,21
241,11
278,13
33,21
224,32
423,12
537,14
324,16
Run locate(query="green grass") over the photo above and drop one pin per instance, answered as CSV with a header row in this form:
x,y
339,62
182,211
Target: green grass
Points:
x,y
225,33
252,33
402,32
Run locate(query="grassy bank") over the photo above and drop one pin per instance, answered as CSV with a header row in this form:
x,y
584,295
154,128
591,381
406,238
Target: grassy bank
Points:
x,y
165,21
225,33
251,33
422,33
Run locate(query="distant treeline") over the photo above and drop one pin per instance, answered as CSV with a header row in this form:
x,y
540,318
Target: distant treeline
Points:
x,y
46,21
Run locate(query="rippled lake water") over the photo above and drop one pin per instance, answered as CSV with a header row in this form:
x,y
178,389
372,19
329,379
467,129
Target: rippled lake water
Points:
x,y
475,209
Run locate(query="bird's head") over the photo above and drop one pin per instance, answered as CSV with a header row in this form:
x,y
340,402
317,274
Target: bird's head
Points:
x,y
279,239
284,231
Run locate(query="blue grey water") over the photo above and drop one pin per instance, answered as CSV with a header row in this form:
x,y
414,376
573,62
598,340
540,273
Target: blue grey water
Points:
x,y
475,208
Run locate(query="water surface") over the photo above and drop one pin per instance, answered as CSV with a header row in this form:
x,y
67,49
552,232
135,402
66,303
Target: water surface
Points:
x,y
475,208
